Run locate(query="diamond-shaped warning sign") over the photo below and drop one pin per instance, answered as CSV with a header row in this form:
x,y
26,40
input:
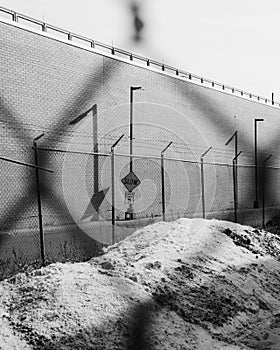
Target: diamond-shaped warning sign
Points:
x,y
130,181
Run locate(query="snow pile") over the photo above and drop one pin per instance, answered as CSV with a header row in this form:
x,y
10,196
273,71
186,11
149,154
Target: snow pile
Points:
x,y
188,284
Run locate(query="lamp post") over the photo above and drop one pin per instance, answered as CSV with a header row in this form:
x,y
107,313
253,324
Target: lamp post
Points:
x,y
256,202
132,89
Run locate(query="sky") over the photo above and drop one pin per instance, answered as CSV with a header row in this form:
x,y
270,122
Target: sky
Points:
x,y
231,42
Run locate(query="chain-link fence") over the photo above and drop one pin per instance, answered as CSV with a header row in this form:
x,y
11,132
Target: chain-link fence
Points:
x,y
93,199
19,226
68,215
173,188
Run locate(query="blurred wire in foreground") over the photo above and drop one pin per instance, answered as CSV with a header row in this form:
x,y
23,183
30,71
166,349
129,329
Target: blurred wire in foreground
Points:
x,y
138,23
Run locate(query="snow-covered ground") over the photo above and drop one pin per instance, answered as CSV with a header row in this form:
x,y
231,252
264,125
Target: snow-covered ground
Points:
x,y
188,284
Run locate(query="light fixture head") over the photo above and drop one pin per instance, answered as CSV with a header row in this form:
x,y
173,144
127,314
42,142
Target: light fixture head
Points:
x,y
136,88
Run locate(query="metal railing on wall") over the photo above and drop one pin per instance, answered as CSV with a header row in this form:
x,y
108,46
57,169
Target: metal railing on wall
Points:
x,y
120,53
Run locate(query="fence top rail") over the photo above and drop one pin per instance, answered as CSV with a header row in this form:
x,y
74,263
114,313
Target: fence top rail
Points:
x,y
194,161
166,69
75,152
26,164
155,157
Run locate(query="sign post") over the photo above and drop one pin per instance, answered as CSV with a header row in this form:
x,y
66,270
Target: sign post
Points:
x,y
130,181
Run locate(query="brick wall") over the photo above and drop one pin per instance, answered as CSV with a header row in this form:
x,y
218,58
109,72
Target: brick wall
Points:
x,y
46,83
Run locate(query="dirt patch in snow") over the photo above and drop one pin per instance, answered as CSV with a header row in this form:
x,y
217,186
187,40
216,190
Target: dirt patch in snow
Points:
x,y
188,284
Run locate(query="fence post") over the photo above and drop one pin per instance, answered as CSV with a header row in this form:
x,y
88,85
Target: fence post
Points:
x,y
263,191
162,181
202,182
42,238
113,187
235,201
235,136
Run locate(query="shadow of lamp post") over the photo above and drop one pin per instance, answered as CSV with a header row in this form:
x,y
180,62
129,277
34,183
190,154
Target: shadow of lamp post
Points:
x,y
92,211
235,137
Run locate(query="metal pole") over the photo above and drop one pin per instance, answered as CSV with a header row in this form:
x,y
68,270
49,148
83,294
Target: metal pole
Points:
x,y
202,188
95,147
25,164
162,181
256,203
263,197
95,157
162,187
113,195
131,128
263,194
42,238
132,88
234,162
236,167
202,182
113,187
234,191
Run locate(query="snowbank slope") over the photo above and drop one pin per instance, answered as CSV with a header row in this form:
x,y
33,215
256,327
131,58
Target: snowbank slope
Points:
x,y
188,284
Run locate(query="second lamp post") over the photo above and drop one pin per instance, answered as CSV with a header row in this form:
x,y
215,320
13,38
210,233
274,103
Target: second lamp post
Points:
x,y
256,202
132,89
